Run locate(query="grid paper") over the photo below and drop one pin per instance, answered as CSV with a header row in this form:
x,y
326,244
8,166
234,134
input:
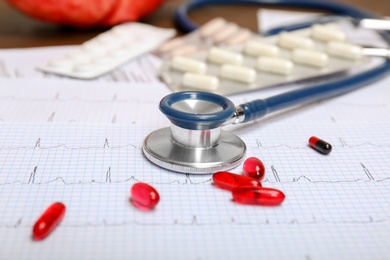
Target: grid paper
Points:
x,y
336,206
91,170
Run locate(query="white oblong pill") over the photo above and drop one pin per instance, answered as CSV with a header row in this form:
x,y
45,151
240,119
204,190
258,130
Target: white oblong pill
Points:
x,y
345,50
212,26
293,41
184,50
121,51
63,63
199,81
172,44
104,59
79,56
275,65
239,37
92,46
124,28
225,32
238,73
311,58
106,38
84,67
256,48
188,65
327,33
222,56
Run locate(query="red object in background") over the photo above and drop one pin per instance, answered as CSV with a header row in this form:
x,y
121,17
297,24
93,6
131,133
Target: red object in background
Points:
x,y
48,220
82,14
254,168
258,196
229,181
144,196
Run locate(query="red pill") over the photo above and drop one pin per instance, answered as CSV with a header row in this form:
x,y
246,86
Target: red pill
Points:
x,y
229,181
258,196
320,145
144,196
254,168
48,220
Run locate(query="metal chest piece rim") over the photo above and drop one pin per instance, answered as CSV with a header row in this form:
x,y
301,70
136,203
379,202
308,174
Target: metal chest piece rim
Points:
x,y
225,153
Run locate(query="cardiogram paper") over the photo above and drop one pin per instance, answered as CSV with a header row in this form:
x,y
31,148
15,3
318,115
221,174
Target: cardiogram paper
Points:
x,y
81,144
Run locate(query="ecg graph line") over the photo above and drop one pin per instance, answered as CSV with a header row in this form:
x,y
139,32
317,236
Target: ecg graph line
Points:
x,y
57,97
343,144
106,145
368,173
196,223
275,173
38,145
107,179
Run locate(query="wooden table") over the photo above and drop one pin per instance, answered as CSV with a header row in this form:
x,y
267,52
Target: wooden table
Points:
x,y
18,30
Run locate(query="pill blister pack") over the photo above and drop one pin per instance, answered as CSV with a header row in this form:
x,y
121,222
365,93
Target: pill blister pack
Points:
x,y
108,50
223,58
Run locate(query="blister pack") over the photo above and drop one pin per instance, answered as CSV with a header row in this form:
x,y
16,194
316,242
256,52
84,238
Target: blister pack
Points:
x,y
108,50
224,58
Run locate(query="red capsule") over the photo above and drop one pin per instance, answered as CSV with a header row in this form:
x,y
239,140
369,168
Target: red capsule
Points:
x,y
258,196
320,145
229,181
254,168
144,196
48,220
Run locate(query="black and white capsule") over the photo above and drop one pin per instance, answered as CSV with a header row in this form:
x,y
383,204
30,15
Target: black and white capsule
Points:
x,y
320,145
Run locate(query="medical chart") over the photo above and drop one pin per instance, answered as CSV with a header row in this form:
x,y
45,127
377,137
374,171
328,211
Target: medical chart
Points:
x,y
81,144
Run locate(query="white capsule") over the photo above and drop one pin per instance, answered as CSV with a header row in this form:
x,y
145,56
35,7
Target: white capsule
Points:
x,y
238,73
212,26
293,41
172,44
104,59
256,48
106,38
311,58
327,33
79,56
63,63
184,50
239,37
199,81
92,46
84,67
345,50
222,56
225,32
188,65
275,65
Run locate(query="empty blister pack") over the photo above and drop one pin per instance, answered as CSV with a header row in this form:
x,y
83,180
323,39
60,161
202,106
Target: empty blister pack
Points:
x,y
108,50
224,58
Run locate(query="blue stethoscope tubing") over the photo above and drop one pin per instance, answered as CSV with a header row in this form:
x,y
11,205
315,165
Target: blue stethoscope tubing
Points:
x,y
259,108
182,20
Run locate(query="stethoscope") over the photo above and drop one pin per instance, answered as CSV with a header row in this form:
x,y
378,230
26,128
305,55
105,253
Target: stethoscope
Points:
x,y
195,142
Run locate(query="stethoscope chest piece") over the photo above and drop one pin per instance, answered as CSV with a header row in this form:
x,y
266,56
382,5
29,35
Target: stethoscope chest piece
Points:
x,y
160,149
195,142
